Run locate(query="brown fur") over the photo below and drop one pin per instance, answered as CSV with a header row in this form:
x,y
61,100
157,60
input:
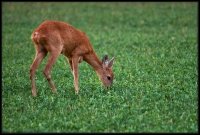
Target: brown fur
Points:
x,y
58,38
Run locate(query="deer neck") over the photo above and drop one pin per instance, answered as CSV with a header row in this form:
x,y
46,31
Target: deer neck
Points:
x,y
94,61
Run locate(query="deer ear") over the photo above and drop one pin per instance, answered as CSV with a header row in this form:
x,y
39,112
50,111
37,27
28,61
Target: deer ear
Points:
x,y
110,63
105,61
105,58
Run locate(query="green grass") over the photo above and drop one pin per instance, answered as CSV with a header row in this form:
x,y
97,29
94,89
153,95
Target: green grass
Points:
x,y
155,86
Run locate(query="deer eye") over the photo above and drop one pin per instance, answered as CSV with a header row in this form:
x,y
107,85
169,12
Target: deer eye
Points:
x,y
108,77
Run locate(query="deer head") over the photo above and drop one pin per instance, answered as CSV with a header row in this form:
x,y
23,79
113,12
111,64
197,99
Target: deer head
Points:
x,y
107,75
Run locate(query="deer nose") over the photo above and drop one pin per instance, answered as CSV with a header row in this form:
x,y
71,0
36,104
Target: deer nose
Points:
x,y
108,86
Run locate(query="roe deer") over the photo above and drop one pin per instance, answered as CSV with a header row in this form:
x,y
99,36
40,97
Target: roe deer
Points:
x,y
58,38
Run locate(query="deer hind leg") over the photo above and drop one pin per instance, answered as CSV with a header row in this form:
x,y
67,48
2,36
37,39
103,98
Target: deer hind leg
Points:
x,y
40,55
51,60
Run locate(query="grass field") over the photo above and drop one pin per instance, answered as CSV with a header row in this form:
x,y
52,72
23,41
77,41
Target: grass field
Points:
x,y
155,86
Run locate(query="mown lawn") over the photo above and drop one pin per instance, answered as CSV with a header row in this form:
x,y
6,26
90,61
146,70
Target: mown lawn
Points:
x,y
155,86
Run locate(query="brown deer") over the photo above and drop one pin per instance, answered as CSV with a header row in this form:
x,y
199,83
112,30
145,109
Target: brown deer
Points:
x,y
58,38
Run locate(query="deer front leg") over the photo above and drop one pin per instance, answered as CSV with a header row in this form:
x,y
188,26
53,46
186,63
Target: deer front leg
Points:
x,y
80,59
70,63
52,59
38,59
75,61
